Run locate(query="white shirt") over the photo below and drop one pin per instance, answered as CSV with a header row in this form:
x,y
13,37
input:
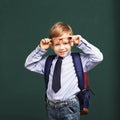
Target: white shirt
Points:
x,y
90,57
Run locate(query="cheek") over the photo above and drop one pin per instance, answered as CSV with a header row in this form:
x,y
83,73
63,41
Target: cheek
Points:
x,y
55,49
69,46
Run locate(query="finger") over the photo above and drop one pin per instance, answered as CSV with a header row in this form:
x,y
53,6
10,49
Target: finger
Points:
x,y
46,40
78,37
71,43
43,41
50,43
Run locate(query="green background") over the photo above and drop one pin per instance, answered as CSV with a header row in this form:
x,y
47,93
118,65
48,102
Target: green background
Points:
x,y
24,22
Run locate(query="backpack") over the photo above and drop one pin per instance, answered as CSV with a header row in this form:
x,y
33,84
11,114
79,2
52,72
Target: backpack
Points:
x,y
83,84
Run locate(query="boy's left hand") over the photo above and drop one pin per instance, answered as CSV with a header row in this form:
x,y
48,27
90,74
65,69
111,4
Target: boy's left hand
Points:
x,y
75,39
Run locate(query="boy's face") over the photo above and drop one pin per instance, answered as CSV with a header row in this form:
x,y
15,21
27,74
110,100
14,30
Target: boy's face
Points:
x,y
62,45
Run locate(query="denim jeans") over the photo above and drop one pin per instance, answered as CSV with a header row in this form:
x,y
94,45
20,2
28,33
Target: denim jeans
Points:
x,y
67,110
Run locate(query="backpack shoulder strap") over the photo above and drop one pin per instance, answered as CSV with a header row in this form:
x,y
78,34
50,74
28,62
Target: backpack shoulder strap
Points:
x,y
47,68
78,69
82,76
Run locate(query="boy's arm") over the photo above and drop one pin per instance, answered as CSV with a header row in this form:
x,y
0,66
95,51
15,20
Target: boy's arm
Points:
x,y
34,61
91,55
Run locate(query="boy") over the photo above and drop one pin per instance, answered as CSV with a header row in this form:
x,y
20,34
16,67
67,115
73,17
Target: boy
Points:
x,y
62,104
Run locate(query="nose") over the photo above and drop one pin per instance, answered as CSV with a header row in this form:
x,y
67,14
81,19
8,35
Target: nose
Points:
x,y
61,46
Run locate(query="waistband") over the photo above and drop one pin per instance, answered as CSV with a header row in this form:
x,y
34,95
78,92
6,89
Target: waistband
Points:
x,y
61,103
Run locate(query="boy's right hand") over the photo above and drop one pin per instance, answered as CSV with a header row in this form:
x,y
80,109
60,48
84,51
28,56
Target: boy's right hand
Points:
x,y
45,43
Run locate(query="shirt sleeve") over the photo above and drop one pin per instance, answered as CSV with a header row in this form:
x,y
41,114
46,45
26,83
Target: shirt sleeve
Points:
x,y
91,55
34,61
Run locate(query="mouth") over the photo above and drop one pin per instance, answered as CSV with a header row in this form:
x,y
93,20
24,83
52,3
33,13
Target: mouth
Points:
x,y
62,52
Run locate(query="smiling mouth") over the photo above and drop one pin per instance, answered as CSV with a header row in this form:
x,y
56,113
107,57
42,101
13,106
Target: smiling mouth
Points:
x,y
63,52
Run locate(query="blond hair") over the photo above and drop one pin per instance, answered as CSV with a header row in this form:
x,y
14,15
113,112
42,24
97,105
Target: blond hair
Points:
x,y
59,28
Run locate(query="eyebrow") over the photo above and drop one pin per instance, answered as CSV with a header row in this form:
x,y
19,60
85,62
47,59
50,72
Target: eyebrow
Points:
x,y
69,37
65,37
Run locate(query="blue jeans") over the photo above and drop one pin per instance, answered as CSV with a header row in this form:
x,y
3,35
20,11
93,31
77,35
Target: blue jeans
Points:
x,y
67,110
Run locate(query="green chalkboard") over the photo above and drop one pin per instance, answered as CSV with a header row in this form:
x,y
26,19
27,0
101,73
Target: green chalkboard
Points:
x,y
24,22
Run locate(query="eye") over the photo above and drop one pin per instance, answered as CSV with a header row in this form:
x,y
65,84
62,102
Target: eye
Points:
x,y
65,43
69,38
57,44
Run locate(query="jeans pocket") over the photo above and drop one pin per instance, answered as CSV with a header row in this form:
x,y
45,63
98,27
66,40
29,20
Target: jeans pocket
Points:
x,y
73,108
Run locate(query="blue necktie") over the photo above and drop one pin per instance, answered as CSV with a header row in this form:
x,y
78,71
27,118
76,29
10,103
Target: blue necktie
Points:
x,y
56,85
